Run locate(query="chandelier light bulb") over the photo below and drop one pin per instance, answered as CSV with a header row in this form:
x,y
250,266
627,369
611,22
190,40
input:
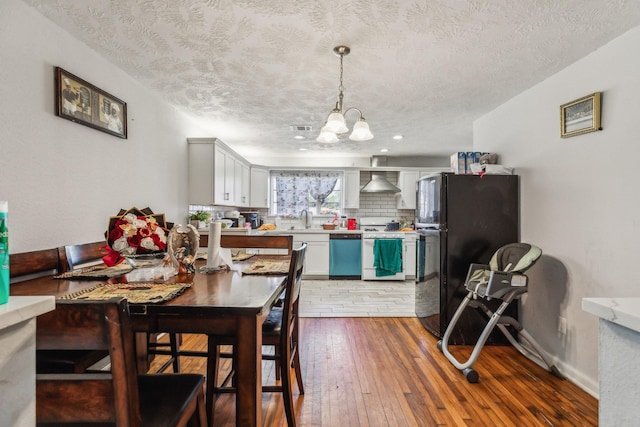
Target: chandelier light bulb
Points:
x,y
336,123
361,131
327,136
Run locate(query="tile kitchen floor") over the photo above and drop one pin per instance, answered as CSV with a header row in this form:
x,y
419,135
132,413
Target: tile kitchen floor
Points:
x,y
357,298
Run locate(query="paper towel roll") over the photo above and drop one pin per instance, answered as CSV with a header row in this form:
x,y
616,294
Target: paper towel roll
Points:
x,y
214,244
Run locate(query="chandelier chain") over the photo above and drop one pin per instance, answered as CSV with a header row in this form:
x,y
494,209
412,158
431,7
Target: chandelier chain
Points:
x,y
341,72
341,87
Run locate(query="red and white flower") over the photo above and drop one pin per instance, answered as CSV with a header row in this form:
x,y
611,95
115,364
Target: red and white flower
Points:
x,y
133,234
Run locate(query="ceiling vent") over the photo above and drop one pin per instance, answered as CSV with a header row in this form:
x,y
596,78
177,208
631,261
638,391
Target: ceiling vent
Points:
x,y
300,128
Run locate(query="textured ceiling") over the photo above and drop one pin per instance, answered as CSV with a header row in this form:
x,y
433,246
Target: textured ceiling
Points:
x,y
249,69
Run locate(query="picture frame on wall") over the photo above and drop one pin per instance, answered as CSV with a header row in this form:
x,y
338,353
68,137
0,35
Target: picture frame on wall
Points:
x,y
580,116
82,102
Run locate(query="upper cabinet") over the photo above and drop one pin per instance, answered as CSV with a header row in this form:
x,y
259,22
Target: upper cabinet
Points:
x,y
406,199
351,187
217,176
224,177
241,184
259,187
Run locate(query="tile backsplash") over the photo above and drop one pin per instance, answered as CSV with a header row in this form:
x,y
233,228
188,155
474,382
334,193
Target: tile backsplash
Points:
x,y
380,204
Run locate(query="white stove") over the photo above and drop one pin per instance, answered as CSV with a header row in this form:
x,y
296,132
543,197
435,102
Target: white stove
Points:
x,y
373,228
376,228
383,235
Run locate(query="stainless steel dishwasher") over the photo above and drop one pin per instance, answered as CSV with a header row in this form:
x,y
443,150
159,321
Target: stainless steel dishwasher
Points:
x,y
345,256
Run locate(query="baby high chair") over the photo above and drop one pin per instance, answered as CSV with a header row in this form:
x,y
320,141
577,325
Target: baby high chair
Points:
x,y
502,278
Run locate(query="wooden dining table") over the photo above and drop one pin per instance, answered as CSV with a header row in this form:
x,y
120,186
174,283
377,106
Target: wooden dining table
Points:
x,y
221,302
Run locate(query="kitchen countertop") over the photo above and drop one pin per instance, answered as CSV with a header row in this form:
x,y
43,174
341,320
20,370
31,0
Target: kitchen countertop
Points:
x,y
622,311
314,231
280,231
236,230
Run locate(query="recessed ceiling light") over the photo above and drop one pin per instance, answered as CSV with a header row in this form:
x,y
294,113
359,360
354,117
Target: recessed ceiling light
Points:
x,y
299,137
302,149
384,150
396,137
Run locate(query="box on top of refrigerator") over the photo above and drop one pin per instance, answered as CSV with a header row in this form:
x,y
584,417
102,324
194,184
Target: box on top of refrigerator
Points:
x,y
459,163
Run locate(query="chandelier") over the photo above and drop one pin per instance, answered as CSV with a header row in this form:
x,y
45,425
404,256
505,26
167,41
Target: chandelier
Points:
x,y
336,124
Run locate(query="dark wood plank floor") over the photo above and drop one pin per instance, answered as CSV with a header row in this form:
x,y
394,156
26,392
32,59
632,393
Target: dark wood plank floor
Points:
x,y
388,372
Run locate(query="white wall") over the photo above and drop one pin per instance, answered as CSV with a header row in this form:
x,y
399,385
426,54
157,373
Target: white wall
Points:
x,y
579,199
63,180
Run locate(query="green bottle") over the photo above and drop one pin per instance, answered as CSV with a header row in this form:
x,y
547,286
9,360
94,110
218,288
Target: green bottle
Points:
x,y
4,253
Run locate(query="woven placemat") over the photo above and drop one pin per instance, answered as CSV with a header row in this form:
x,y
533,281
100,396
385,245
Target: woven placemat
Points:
x,y
267,267
135,293
237,256
96,272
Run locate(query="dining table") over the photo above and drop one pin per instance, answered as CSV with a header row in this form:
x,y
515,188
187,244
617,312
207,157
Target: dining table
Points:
x,y
226,301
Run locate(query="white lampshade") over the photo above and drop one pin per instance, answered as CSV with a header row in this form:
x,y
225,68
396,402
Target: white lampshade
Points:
x,y
327,136
361,131
336,123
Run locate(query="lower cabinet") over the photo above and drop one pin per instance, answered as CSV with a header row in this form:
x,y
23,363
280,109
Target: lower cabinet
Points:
x,y
316,262
410,257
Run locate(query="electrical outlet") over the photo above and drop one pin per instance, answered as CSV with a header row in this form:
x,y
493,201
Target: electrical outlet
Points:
x,y
562,325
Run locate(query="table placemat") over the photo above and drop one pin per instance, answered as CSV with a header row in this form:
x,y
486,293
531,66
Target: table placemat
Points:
x,y
96,272
237,256
135,293
267,267
241,256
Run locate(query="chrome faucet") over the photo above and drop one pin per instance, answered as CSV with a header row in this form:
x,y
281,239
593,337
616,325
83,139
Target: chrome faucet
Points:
x,y
307,218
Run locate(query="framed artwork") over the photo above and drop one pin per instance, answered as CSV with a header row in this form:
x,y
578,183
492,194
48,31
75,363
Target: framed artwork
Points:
x,y
81,102
580,116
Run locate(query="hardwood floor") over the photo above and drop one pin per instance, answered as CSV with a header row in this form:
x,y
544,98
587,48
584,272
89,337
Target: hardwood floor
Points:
x,y
388,372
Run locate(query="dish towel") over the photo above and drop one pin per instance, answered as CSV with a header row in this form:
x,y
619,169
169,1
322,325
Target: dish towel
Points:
x,y
387,256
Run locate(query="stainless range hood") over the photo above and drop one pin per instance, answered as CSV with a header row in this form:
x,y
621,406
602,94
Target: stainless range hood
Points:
x,y
379,184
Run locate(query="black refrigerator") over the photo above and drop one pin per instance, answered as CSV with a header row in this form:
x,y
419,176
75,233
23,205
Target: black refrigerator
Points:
x,y
461,219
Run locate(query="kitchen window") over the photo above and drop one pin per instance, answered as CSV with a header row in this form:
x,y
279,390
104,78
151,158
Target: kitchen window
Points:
x,y
296,190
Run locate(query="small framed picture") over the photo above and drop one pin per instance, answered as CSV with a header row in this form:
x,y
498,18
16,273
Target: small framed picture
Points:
x,y
580,116
81,102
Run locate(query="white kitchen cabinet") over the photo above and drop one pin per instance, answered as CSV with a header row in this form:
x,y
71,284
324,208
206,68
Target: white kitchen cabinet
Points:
x,y
351,188
216,174
201,173
225,193
259,187
316,261
406,199
410,257
242,184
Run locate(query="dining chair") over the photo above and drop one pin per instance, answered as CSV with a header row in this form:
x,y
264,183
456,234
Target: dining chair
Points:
x,y
27,265
283,242
72,256
121,397
280,329
276,242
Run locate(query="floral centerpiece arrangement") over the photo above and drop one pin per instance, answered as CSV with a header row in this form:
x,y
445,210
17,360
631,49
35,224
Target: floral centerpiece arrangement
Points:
x,y
135,232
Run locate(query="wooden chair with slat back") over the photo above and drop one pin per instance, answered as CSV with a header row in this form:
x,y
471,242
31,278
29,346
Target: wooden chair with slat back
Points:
x,y
280,329
26,265
258,242
242,241
73,255
120,397
275,242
